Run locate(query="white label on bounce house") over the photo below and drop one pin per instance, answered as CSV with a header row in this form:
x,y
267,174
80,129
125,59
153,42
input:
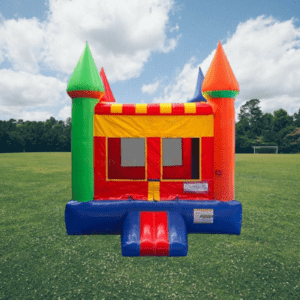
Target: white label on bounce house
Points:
x,y
199,187
202,216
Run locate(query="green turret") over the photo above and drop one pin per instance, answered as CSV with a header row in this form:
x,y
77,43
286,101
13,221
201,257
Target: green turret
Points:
x,y
85,88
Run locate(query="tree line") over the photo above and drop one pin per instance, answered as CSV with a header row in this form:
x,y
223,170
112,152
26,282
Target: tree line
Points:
x,y
49,136
252,129
257,129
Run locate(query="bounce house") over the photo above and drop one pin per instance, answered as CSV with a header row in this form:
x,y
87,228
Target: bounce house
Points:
x,y
155,172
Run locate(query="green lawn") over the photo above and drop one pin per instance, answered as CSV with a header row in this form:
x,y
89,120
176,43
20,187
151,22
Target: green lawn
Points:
x,y
38,260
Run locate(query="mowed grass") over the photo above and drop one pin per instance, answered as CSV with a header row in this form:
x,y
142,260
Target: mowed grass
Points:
x,y
38,260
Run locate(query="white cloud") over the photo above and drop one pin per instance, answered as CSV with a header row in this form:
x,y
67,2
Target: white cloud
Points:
x,y
150,88
21,92
21,43
184,87
65,112
122,35
175,28
265,57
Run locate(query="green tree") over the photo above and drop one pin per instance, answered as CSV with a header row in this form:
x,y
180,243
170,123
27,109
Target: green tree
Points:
x,y
281,120
296,117
253,114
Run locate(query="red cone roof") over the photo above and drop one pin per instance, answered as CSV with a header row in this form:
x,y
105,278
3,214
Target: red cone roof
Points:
x,y
108,96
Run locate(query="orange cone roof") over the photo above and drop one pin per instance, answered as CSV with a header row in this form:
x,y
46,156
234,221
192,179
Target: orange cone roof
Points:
x,y
219,76
108,96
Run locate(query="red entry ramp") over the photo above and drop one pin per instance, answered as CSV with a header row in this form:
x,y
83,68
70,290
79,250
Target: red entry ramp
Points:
x,y
154,237
154,233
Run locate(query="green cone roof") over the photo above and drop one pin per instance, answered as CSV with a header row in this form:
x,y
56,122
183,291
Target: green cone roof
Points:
x,y
85,76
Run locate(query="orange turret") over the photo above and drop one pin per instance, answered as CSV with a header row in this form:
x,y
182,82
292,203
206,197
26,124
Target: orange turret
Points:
x,y
220,88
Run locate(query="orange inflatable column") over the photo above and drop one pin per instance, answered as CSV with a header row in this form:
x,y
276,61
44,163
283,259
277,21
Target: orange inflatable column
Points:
x,y
220,87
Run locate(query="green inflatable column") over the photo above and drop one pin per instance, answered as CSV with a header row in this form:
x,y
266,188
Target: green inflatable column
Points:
x,y
85,88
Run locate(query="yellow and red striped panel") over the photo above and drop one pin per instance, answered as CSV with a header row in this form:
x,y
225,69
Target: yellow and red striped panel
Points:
x,y
198,108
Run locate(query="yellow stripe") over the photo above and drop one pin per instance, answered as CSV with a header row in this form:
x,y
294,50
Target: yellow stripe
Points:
x,y
189,108
156,190
141,108
150,191
165,108
154,126
116,108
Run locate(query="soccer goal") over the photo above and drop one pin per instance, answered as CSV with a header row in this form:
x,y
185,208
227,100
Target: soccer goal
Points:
x,y
265,149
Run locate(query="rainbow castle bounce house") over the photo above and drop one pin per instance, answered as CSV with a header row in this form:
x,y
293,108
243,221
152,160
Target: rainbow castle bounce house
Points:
x,y
153,173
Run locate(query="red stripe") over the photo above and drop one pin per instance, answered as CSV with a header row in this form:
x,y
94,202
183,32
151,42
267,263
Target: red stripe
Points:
x,y
154,236
162,234
153,109
99,163
177,108
128,109
207,161
85,94
203,109
147,233
102,108
153,158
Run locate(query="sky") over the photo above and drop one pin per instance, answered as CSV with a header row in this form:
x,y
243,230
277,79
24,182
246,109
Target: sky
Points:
x,y
150,50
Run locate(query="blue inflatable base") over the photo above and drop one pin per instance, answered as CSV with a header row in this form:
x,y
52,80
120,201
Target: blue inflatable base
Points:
x,y
108,216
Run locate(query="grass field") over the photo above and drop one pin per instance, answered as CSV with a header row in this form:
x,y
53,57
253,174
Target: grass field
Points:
x,y
38,260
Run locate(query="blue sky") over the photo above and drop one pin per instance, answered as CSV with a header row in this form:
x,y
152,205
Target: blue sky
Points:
x,y
150,50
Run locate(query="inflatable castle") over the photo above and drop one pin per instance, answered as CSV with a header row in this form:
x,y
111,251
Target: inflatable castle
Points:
x,y
155,172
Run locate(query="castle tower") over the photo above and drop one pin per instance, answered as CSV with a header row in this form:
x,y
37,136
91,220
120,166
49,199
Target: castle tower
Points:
x,y
108,96
220,88
85,88
198,97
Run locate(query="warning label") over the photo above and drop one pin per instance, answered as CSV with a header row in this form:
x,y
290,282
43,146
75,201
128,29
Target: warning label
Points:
x,y
203,216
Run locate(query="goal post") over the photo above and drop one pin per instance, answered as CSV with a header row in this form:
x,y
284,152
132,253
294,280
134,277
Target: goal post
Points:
x,y
265,149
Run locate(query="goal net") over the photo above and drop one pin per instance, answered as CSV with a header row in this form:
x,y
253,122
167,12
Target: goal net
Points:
x,y
265,149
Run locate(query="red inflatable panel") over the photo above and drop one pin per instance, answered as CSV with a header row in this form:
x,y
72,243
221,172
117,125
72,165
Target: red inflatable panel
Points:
x,y
153,158
207,161
99,158
154,236
121,190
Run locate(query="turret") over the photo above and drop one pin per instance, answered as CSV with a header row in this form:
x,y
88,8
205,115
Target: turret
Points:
x,y
85,88
220,88
198,97
108,96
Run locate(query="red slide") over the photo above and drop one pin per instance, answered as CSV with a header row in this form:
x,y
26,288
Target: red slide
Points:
x,y
154,235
